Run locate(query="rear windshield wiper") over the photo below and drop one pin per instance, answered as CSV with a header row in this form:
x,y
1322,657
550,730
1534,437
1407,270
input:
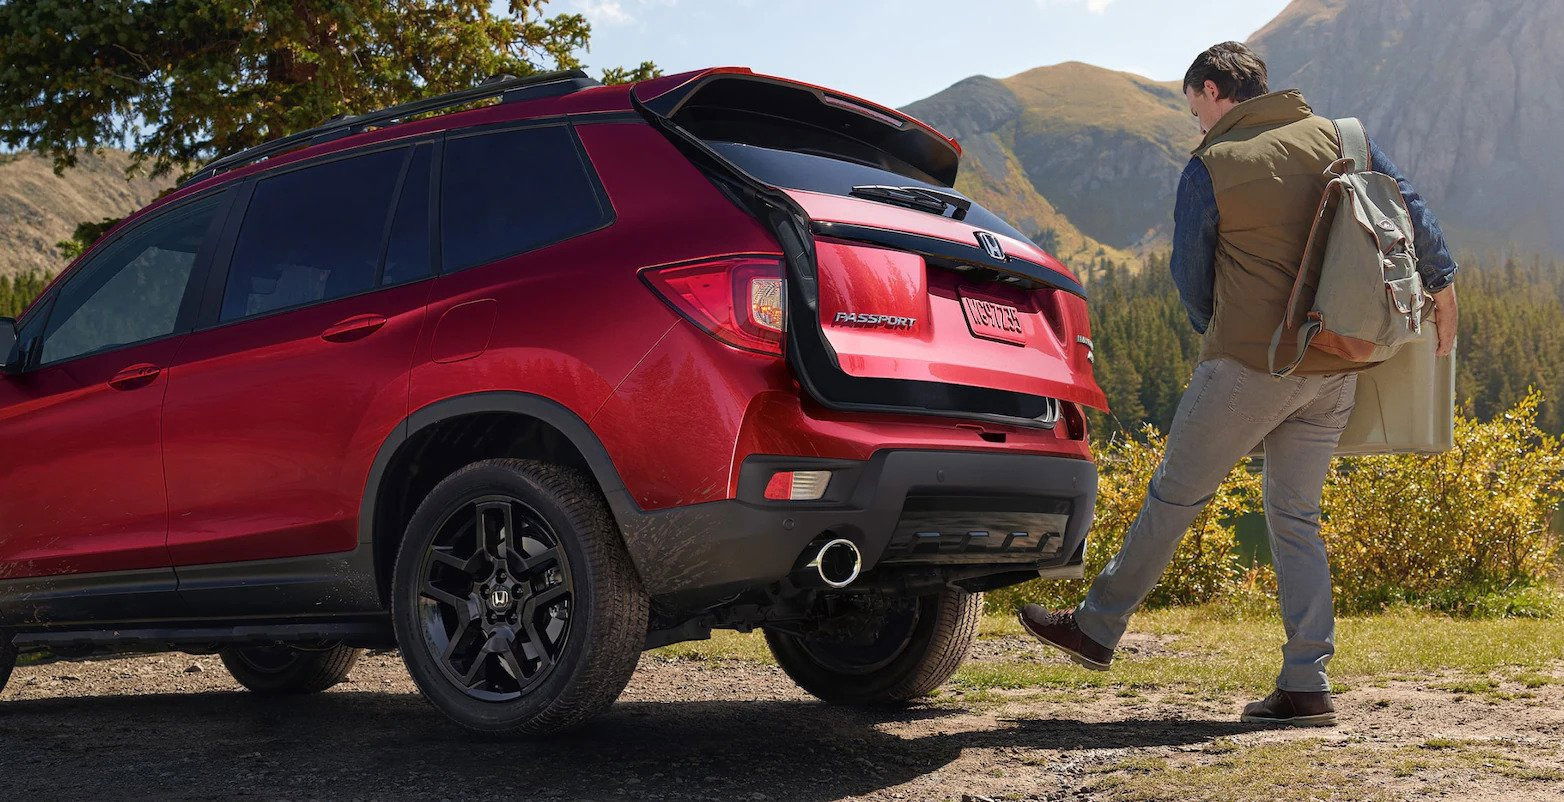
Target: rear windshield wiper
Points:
x,y
926,199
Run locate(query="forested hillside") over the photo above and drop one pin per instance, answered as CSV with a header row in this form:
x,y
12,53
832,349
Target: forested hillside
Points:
x,y
16,291
1084,157
1511,338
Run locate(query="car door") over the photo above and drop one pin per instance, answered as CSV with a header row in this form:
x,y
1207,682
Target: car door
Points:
x,y
299,368
81,484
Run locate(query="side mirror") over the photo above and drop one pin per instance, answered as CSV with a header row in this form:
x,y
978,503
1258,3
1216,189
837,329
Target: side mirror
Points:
x,y
10,355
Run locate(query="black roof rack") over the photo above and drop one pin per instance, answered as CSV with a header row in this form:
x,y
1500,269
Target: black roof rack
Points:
x,y
507,87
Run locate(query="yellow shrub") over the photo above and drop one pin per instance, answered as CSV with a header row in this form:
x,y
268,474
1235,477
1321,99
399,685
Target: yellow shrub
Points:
x,y
1467,531
1475,518
1204,567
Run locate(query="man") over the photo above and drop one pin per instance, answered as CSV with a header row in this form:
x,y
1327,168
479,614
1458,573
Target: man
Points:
x,y
1243,213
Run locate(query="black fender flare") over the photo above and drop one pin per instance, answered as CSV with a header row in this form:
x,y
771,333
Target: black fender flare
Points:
x,y
551,412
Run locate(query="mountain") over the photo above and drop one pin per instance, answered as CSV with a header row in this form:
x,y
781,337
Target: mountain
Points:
x,y
1089,153
39,208
1465,97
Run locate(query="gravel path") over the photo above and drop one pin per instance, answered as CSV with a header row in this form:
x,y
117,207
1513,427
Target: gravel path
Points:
x,y
176,725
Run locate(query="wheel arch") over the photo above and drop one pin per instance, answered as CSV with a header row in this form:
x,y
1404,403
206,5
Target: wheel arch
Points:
x,y
445,435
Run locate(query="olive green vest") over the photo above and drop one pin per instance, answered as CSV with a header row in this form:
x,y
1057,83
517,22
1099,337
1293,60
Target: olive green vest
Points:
x,y
1267,158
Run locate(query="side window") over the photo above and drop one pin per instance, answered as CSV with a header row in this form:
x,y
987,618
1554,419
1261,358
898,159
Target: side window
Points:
x,y
512,191
407,250
131,291
312,234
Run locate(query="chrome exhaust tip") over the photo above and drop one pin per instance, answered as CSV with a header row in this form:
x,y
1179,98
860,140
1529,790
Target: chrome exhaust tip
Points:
x,y
836,564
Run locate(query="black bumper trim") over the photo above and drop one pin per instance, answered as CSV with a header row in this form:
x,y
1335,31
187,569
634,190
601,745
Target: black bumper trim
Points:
x,y
748,542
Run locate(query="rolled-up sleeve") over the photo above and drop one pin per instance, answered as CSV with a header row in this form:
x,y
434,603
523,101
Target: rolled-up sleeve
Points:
x,y
1434,262
1194,243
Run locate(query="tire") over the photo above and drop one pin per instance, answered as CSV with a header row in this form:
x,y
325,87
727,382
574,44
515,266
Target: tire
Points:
x,y
893,656
285,670
7,659
565,643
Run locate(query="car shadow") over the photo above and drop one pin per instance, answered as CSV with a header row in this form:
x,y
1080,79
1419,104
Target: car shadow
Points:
x,y
371,744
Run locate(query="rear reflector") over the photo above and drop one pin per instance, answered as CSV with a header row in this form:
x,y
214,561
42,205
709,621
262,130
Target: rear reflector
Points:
x,y
738,300
797,485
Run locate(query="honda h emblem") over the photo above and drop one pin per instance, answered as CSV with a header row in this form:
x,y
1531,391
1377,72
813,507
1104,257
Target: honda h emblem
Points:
x,y
499,599
991,246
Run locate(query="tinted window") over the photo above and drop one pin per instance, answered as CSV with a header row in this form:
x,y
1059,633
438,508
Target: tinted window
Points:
x,y
806,171
312,234
513,191
132,290
407,252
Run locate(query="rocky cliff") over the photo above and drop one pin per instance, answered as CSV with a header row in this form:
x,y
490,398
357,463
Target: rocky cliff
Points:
x,y
1467,97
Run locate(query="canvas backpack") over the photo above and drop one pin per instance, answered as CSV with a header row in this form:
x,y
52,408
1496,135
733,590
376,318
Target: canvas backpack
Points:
x,y
1359,271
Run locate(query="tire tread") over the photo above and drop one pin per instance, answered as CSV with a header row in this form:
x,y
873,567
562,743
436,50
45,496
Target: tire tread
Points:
x,y
620,607
317,672
956,616
7,659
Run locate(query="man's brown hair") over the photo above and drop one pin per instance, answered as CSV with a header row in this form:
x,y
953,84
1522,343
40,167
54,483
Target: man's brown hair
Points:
x,y
1238,73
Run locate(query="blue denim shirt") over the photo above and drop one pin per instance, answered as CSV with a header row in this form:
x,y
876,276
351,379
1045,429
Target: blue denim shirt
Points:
x,y
1195,227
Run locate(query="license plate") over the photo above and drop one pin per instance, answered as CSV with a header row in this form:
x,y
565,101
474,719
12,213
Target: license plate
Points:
x,y
993,321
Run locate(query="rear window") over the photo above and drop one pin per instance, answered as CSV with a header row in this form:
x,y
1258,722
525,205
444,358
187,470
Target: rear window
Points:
x,y
508,192
812,173
312,234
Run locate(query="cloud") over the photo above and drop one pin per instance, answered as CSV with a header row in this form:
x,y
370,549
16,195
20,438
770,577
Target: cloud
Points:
x,y
624,12
1093,6
605,12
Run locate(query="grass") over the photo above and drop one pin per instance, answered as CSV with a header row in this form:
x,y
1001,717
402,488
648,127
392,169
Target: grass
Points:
x,y
1220,651
724,645
1217,652
1308,768
1212,649
1297,770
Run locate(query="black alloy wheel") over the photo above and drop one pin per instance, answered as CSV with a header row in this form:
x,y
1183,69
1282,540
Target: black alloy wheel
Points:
x,y
516,606
876,642
495,603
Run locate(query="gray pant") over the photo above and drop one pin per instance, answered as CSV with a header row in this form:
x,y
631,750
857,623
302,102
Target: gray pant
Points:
x,y
1227,409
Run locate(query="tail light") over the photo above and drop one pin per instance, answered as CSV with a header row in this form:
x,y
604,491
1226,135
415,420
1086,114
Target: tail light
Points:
x,y
797,485
738,300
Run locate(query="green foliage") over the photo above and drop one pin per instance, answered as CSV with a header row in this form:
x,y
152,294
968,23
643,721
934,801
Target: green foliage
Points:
x,y
1145,347
1511,338
180,81
1204,568
16,292
84,236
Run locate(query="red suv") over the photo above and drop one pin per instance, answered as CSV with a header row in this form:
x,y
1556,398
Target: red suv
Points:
x,y
528,388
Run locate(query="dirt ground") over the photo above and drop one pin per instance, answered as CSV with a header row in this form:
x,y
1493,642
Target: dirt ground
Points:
x,y
177,725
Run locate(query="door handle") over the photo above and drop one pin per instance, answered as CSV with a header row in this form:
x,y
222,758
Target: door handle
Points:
x,y
353,328
135,376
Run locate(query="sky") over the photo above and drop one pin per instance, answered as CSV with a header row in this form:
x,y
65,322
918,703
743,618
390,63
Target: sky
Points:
x,y
896,51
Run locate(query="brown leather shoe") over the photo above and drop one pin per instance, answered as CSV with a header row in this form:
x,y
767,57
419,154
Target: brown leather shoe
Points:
x,y
1298,708
1058,629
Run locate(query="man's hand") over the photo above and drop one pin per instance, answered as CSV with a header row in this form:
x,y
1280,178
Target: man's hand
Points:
x,y
1445,317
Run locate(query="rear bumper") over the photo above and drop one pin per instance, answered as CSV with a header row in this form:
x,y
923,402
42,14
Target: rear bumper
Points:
x,y
724,547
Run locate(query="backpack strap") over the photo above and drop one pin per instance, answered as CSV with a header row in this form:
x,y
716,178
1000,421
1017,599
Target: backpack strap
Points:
x,y
1306,335
1354,143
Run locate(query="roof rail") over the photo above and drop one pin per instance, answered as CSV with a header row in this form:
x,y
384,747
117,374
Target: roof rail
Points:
x,y
507,87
